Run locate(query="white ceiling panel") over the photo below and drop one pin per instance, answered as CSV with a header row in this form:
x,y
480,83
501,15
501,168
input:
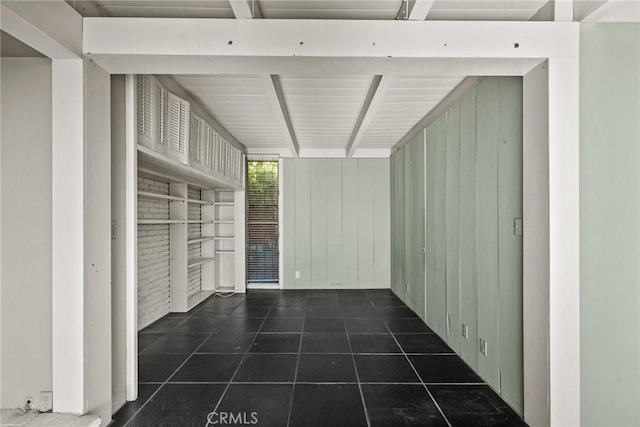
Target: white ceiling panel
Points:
x,y
329,9
407,100
240,104
324,109
484,10
166,8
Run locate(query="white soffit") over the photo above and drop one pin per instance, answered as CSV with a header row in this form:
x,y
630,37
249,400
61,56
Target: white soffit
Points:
x,y
407,100
240,104
329,9
166,9
484,10
324,109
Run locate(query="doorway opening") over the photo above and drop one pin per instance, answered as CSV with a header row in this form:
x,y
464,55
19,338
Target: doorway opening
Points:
x,y
263,251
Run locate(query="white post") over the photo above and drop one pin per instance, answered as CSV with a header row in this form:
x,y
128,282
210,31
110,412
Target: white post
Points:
x,y
68,353
131,238
536,246
564,241
240,259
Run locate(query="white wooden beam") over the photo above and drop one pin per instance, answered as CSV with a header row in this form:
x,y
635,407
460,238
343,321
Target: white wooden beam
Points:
x,y
420,10
563,10
245,9
377,91
217,38
51,27
274,93
304,66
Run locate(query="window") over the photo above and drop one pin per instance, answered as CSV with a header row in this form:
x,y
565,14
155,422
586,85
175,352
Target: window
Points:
x,y
262,222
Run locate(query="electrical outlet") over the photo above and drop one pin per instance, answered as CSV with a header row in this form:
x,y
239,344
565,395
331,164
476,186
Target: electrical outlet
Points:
x,y
46,401
335,285
297,274
465,331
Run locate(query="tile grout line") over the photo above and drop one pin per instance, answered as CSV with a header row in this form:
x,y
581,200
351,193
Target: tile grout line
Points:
x,y
295,375
243,357
420,378
162,384
169,378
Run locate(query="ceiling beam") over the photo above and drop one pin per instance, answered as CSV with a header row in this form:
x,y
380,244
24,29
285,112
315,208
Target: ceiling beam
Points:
x,y
377,90
245,9
420,10
279,38
303,66
563,10
53,28
274,93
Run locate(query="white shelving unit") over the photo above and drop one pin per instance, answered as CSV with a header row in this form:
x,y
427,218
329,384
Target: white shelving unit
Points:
x,y
203,172
225,240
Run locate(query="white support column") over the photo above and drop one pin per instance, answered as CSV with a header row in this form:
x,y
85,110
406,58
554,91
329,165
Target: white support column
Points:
x,y
131,240
239,231
68,352
564,244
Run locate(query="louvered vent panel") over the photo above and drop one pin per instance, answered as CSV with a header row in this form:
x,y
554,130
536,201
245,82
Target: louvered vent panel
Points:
x,y
196,139
144,92
162,98
208,147
178,130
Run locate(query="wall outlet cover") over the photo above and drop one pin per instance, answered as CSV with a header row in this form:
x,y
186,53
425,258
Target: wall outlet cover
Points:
x,y
297,274
46,401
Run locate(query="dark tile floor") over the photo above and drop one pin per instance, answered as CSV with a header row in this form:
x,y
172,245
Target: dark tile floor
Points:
x,y
303,359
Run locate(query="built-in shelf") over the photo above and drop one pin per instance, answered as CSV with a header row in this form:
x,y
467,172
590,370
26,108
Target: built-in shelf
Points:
x,y
198,221
197,298
225,251
198,261
162,165
199,239
223,222
159,196
224,238
160,221
224,203
199,202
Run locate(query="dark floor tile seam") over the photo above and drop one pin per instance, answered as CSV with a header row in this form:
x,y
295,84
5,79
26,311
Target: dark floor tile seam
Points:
x,y
419,377
295,374
355,367
244,357
166,381
423,384
454,384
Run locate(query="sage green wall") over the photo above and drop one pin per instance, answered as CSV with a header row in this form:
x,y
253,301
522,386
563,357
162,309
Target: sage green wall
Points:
x,y
609,231
457,190
336,223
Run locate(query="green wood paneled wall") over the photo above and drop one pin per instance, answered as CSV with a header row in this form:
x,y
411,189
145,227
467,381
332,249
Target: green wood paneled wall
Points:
x,y
457,259
336,223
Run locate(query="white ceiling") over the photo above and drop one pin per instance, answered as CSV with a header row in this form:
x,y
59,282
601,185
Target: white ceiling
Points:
x,y
240,104
406,101
324,110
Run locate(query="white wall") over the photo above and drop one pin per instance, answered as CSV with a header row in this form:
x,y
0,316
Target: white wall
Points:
x,y
26,229
336,220
609,230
